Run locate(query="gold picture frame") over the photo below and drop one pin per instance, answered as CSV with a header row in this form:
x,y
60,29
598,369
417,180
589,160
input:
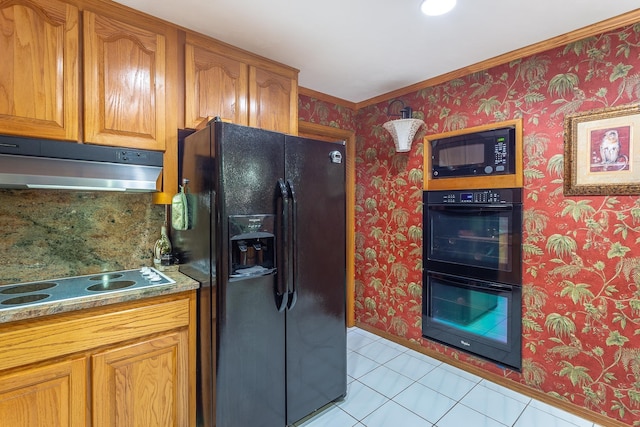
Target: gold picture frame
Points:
x,y
602,152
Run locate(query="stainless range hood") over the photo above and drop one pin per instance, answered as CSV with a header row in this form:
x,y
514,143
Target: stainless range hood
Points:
x,y
47,164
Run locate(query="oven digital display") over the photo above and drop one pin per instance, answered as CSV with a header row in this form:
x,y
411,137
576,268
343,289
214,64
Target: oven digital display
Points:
x,y
466,197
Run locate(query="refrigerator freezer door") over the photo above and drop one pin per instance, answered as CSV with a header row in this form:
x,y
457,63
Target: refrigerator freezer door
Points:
x,y
316,332
194,247
251,389
251,359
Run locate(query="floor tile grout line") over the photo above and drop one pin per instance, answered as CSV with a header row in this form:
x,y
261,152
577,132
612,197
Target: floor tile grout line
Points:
x,y
555,415
528,404
386,345
522,413
415,413
375,391
489,416
457,402
392,399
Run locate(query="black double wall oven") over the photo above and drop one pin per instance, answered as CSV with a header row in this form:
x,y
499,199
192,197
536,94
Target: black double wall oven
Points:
x,y
472,293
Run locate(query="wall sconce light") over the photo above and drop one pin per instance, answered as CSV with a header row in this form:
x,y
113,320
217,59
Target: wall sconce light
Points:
x,y
404,129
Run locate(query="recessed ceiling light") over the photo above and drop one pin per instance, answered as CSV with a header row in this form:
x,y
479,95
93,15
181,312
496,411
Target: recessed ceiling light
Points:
x,y
437,7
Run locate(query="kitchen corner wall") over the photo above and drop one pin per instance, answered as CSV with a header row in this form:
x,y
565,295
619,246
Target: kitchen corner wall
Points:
x,y
47,234
581,293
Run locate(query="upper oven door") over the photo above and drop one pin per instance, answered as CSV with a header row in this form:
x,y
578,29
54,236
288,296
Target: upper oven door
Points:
x,y
480,239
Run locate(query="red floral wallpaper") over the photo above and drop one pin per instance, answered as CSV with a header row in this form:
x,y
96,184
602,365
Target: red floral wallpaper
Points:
x,y
581,289
315,111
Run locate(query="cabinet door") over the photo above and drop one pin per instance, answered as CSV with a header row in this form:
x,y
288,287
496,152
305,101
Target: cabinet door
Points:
x,y
39,69
143,384
53,395
273,100
215,85
125,72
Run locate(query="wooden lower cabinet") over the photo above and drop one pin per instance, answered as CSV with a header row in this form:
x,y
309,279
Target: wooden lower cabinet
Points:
x,y
52,395
125,365
142,384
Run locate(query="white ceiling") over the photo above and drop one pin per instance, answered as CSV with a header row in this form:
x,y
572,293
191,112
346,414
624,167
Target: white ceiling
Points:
x,y
359,49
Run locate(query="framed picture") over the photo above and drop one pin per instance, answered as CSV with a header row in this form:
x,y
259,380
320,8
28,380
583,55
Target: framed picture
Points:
x,y
602,152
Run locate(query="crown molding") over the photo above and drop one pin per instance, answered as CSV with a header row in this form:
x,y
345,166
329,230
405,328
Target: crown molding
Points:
x,y
561,40
327,98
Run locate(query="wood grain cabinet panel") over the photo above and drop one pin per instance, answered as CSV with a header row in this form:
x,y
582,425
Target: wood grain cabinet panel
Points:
x,y
125,84
237,86
130,364
111,78
215,85
39,89
143,384
52,395
273,100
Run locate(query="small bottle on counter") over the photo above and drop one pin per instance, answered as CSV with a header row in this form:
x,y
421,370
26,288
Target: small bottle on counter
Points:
x,y
162,250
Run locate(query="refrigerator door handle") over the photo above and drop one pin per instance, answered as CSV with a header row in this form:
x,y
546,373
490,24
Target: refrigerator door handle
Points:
x,y
293,291
281,291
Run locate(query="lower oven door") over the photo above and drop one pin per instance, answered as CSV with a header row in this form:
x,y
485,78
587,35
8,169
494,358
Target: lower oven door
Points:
x,y
479,317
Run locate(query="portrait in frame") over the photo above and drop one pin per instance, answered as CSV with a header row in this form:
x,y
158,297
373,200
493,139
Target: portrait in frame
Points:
x,y
602,152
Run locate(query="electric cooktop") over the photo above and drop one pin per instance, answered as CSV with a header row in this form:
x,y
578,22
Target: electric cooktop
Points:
x,y
67,288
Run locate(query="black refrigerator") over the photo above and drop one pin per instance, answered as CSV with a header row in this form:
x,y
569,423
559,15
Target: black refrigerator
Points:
x,y
267,243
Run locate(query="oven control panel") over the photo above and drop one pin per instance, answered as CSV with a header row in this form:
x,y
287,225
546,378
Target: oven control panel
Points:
x,y
495,196
484,197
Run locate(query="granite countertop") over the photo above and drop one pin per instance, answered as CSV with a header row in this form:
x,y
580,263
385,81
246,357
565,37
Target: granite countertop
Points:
x,y
27,311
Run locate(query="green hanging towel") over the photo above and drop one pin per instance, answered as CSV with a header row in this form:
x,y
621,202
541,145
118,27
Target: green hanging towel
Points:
x,y
180,211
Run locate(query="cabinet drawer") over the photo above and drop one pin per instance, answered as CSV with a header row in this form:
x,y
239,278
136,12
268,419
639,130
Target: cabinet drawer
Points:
x,y
42,339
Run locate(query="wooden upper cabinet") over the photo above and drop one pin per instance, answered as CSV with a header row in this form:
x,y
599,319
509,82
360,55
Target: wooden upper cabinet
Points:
x,y
125,99
237,86
215,85
273,100
39,69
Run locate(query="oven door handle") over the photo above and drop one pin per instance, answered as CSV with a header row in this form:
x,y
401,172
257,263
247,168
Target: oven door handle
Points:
x,y
470,208
472,283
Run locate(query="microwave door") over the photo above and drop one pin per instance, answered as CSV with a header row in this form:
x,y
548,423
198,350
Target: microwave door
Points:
x,y
461,155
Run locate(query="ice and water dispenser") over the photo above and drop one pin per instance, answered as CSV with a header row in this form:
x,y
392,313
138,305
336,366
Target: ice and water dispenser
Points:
x,y
252,244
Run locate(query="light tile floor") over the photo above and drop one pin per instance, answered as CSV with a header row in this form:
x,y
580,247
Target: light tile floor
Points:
x,y
392,386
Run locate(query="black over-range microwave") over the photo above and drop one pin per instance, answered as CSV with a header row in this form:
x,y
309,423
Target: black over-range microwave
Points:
x,y
484,153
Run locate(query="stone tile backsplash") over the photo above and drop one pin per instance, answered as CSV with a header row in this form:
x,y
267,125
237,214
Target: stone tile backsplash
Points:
x,y
46,234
